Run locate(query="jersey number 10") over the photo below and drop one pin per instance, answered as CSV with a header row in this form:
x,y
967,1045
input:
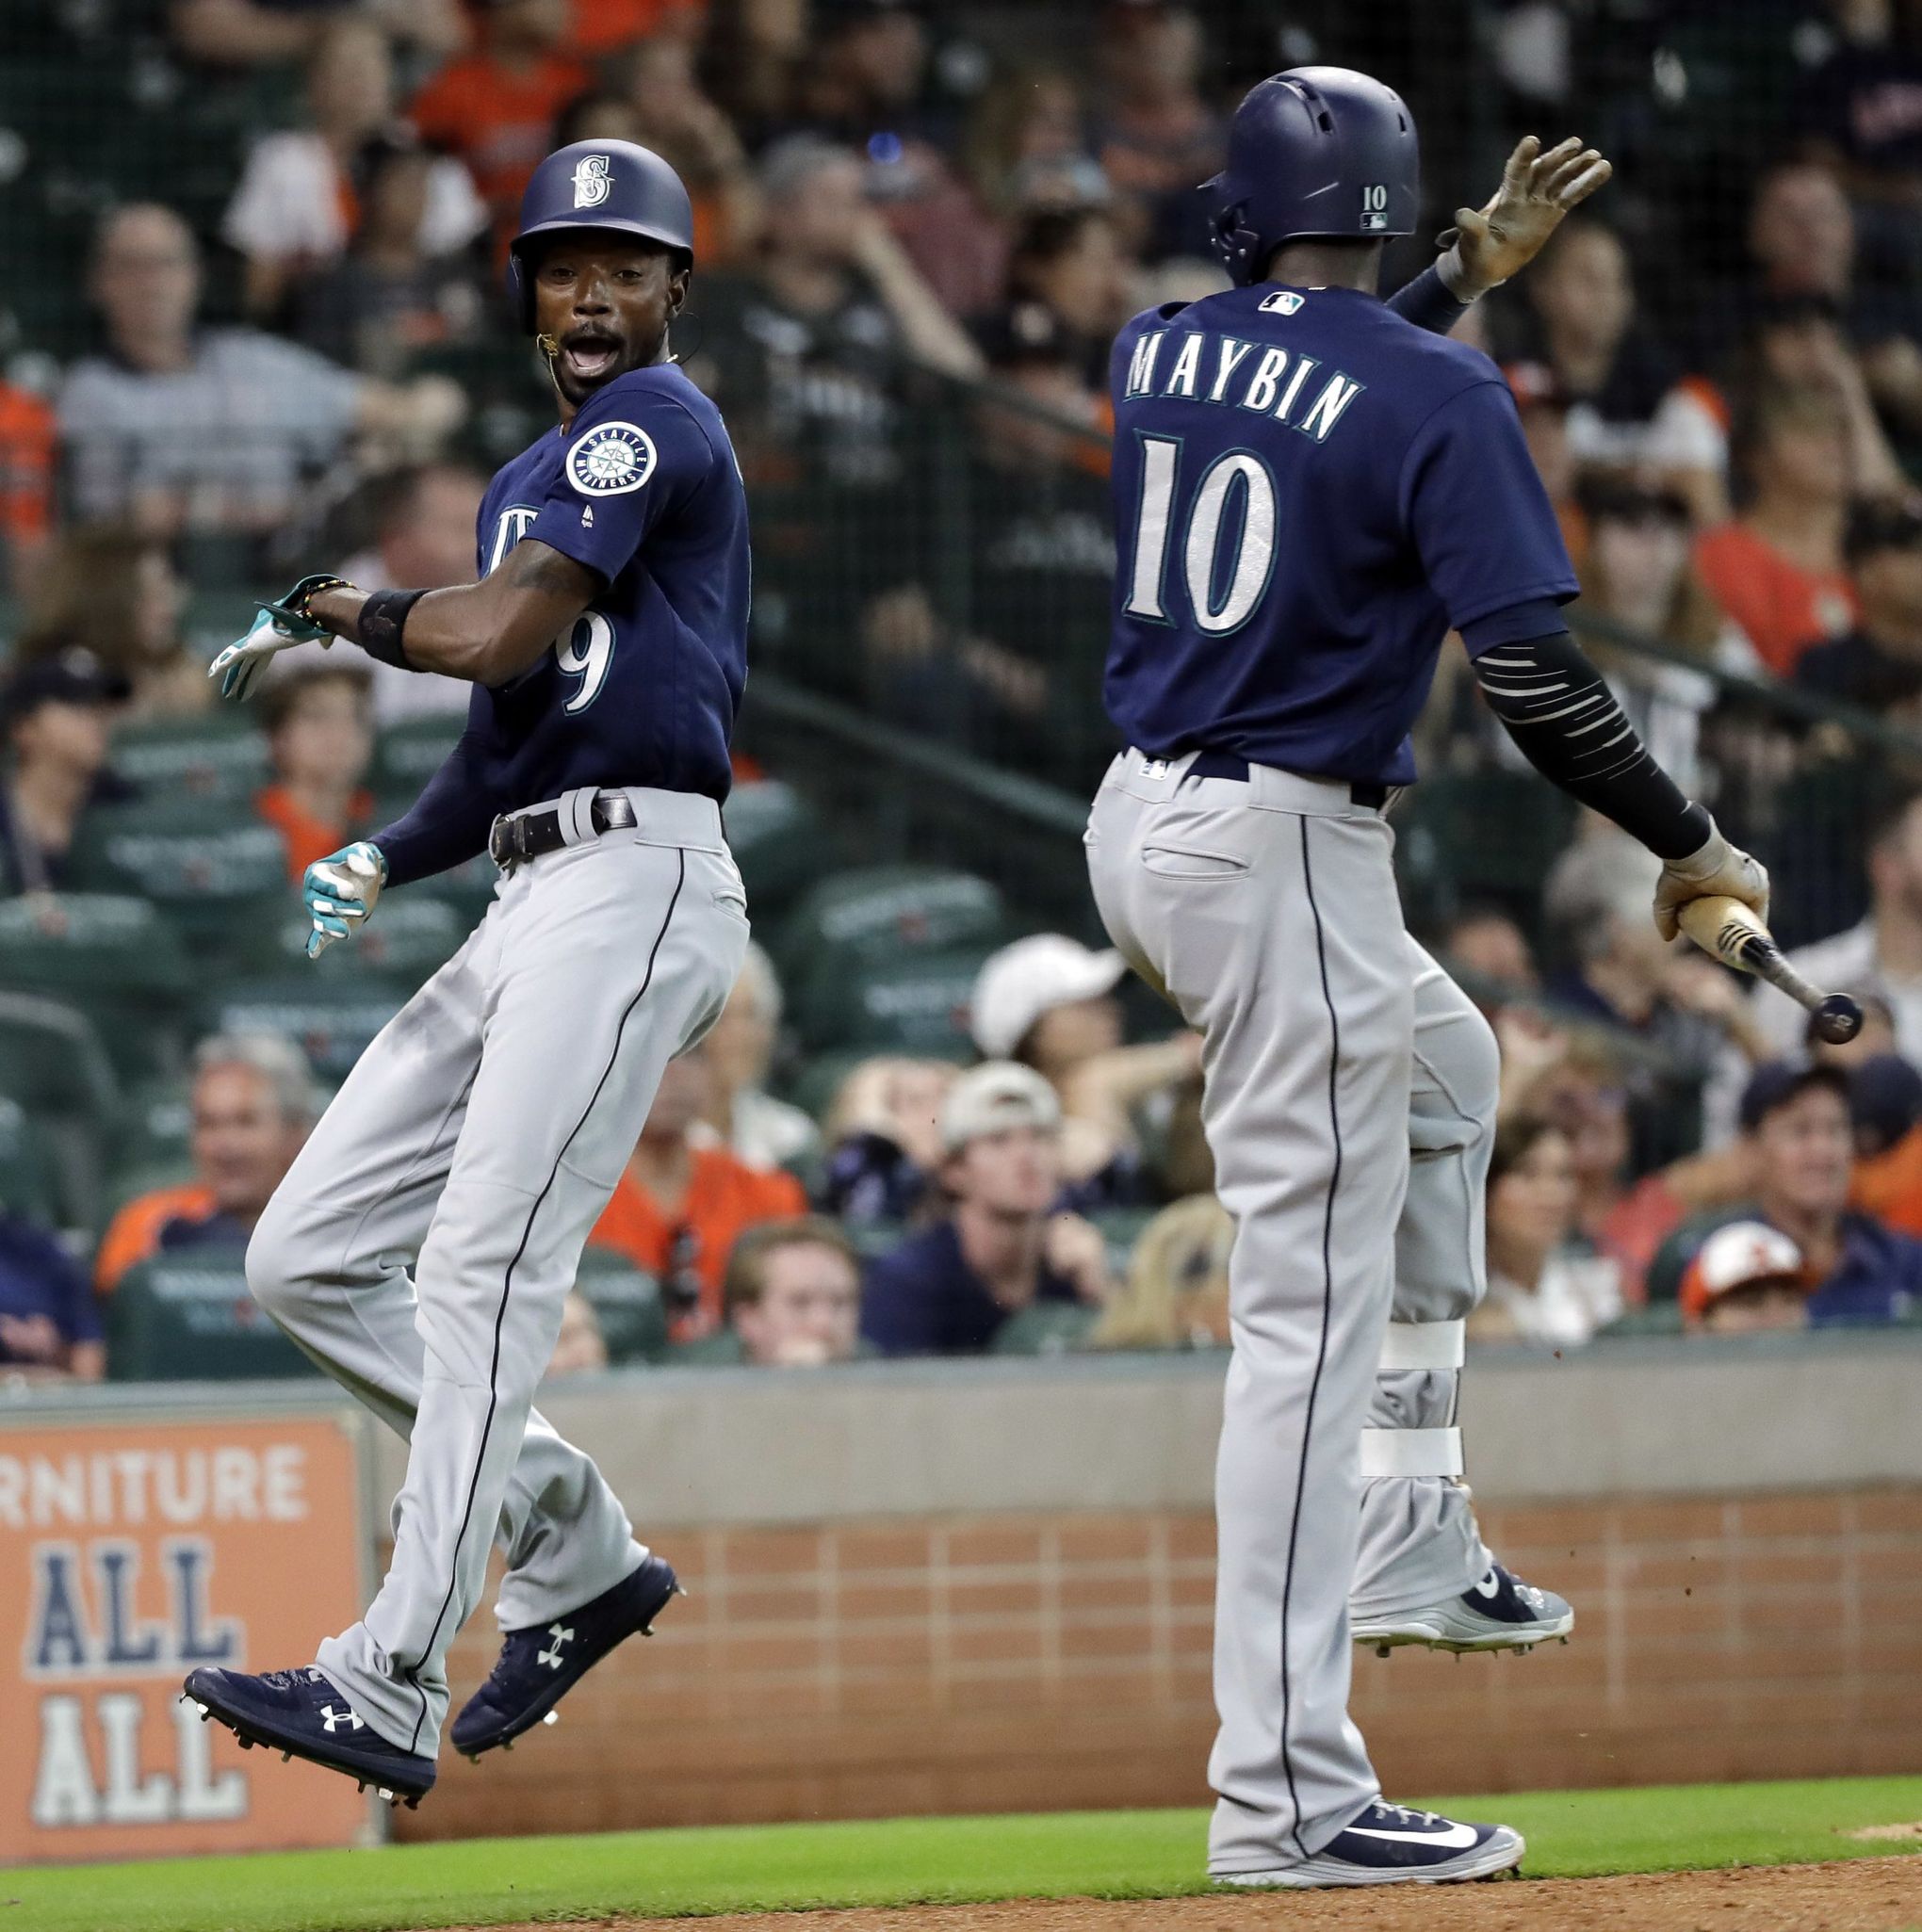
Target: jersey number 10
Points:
x,y
1222,590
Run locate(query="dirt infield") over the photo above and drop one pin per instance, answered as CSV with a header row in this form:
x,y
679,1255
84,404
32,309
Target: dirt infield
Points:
x,y
1856,1895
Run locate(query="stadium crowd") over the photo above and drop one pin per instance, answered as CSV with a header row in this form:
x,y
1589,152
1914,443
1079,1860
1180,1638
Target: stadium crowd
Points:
x,y
917,234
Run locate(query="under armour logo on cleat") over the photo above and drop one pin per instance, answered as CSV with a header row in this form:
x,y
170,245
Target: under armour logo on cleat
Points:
x,y
349,1719
561,1634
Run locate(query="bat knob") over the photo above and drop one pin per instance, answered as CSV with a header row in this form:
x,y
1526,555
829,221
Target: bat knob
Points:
x,y
1838,1018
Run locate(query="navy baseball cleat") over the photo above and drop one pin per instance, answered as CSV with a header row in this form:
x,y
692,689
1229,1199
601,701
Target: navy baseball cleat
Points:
x,y
301,1714
539,1665
1500,1612
1390,1845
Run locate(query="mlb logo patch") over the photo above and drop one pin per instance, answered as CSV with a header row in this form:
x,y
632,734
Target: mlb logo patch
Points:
x,y
1284,301
1375,205
611,460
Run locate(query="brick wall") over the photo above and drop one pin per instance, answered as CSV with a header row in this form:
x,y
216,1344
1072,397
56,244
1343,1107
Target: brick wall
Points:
x,y
1027,1661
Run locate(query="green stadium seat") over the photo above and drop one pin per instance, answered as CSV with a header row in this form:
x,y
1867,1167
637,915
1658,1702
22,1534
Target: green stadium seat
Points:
x,y
53,1067
215,870
720,1350
917,1004
409,754
879,916
626,1303
1046,1328
778,843
26,1188
189,1318
332,1020
221,755
115,956
1657,1318
412,935
156,1125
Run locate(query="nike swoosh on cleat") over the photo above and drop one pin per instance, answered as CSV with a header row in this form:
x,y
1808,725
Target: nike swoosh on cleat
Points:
x,y
1456,1837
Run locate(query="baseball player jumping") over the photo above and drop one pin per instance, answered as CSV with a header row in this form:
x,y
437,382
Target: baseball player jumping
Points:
x,y
480,1136
1309,491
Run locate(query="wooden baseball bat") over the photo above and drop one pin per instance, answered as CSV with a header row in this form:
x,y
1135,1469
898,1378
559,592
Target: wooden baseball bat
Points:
x,y
1728,930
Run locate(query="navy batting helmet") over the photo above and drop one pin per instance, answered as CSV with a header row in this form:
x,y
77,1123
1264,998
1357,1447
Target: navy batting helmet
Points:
x,y
614,185
1315,151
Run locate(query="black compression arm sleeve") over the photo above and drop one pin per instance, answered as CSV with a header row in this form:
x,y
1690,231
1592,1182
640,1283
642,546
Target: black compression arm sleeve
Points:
x,y
1569,727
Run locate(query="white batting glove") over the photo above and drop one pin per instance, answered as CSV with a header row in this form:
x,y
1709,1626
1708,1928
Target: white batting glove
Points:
x,y
277,626
341,892
1715,870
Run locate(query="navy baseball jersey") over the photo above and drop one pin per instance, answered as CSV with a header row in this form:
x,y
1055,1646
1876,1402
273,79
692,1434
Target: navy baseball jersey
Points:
x,y
644,489
1309,493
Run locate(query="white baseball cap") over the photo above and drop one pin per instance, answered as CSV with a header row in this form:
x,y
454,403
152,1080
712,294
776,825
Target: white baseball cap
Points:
x,y
1018,985
1739,1256
990,1098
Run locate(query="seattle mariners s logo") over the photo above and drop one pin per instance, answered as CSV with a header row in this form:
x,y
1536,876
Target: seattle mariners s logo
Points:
x,y
591,184
611,460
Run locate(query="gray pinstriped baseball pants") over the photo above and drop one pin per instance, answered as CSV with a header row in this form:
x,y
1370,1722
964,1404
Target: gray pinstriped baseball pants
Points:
x,y
475,1142
1267,912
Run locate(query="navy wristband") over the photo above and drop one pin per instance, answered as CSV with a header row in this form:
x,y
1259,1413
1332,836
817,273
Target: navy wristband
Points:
x,y
381,620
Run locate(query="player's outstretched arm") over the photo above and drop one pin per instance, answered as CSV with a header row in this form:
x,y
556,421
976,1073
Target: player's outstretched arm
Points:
x,y
1489,244
486,633
1571,727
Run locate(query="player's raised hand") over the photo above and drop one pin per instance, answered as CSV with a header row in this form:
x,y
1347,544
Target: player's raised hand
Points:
x,y
277,626
1539,186
341,892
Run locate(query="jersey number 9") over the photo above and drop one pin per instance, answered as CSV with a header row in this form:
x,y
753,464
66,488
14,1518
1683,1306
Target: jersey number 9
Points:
x,y
1223,588
585,653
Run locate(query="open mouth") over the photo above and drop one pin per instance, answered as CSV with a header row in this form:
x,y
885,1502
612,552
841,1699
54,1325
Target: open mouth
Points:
x,y
591,355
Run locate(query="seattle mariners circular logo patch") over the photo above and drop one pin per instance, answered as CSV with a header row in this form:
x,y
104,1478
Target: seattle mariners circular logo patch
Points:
x,y
611,460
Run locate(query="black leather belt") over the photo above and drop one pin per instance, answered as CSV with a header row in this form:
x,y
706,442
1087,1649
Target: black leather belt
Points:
x,y
1226,765
517,836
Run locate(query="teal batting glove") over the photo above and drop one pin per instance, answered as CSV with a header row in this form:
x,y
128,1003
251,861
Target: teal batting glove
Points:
x,y
341,892
277,628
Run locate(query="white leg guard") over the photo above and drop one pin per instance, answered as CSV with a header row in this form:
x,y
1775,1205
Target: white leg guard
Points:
x,y
1419,1540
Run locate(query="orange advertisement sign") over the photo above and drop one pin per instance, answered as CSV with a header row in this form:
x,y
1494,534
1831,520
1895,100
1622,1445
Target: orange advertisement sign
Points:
x,y
129,1554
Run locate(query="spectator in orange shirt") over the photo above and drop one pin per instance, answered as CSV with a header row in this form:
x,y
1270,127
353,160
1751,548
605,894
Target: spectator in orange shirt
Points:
x,y
605,27
1777,569
497,108
253,1102
320,736
27,433
684,1199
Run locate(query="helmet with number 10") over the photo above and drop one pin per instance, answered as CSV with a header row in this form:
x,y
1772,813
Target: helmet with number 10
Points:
x,y
1316,153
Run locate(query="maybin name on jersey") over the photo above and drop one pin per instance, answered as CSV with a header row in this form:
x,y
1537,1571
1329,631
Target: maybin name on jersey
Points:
x,y
1216,368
